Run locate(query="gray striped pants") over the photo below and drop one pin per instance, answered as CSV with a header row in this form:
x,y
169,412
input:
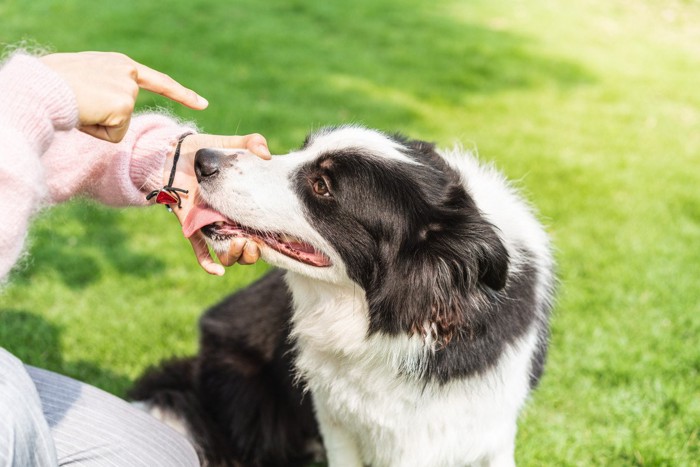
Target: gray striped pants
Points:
x,y
47,420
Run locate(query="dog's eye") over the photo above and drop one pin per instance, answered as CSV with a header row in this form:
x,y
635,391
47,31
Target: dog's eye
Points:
x,y
320,187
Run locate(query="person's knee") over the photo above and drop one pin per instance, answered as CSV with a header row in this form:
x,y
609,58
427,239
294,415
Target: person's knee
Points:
x,y
164,443
157,446
104,429
175,452
134,437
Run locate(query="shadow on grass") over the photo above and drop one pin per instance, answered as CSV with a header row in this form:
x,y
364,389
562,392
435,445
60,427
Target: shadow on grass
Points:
x,y
383,63
36,342
279,65
420,48
78,240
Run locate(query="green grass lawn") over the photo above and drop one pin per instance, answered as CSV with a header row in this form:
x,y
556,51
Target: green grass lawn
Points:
x,y
593,106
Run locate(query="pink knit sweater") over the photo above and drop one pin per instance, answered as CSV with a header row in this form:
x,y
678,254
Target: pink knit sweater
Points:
x,y
45,160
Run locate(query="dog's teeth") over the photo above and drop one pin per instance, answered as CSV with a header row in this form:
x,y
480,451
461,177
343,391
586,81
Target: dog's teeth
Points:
x,y
219,223
286,238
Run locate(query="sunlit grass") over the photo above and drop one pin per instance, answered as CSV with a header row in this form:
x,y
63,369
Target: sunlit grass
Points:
x,y
591,106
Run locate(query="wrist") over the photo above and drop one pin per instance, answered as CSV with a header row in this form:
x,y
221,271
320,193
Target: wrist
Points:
x,y
154,138
174,158
169,193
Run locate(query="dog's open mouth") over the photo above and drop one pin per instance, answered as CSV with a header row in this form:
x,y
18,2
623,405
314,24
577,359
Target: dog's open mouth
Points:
x,y
216,227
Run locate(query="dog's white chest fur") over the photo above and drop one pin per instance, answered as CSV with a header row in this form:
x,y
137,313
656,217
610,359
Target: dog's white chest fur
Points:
x,y
373,411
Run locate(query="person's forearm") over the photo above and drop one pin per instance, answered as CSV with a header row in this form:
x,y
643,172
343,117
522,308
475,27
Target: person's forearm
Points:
x,y
35,103
21,191
118,174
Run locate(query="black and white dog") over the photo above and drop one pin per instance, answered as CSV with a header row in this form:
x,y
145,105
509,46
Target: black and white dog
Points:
x,y
408,329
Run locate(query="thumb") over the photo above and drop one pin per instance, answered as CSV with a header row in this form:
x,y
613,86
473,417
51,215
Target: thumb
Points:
x,y
204,258
113,134
255,143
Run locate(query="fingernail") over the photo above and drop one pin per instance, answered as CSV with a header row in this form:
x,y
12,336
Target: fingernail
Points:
x,y
251,248
202,101
214,269
239,244
263,150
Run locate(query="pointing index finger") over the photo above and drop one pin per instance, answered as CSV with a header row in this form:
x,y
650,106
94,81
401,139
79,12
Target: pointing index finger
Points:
x,y
160,83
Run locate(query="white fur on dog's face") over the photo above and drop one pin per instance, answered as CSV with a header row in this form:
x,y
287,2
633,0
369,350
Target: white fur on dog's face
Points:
x,y
260,194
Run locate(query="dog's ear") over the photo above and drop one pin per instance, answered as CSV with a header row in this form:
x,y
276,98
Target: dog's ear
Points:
x,y
419,149
441,279
491,256
457,215
441,286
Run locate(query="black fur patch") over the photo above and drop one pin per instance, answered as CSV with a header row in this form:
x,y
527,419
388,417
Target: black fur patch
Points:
x,y
238,395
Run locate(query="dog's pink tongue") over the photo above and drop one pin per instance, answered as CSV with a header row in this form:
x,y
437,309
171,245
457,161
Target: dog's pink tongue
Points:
x,y
198,217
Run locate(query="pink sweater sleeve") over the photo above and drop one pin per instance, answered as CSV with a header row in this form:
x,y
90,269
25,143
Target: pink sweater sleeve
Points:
x,y
44,160
115,174
34,104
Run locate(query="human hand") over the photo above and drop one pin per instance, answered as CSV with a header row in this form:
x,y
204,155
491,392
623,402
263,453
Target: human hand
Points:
x,y
106,85
241,251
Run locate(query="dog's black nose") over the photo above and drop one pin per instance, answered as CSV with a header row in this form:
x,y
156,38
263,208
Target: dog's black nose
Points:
x,y
207,163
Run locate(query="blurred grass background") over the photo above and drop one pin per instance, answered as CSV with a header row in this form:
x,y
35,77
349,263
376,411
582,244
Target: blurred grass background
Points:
x,y
593,106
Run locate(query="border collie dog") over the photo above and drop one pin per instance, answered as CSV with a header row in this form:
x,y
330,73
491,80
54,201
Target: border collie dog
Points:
x,y
407,329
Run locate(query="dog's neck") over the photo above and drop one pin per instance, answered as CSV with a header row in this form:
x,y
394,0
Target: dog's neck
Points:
x,y
330,324
327,316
